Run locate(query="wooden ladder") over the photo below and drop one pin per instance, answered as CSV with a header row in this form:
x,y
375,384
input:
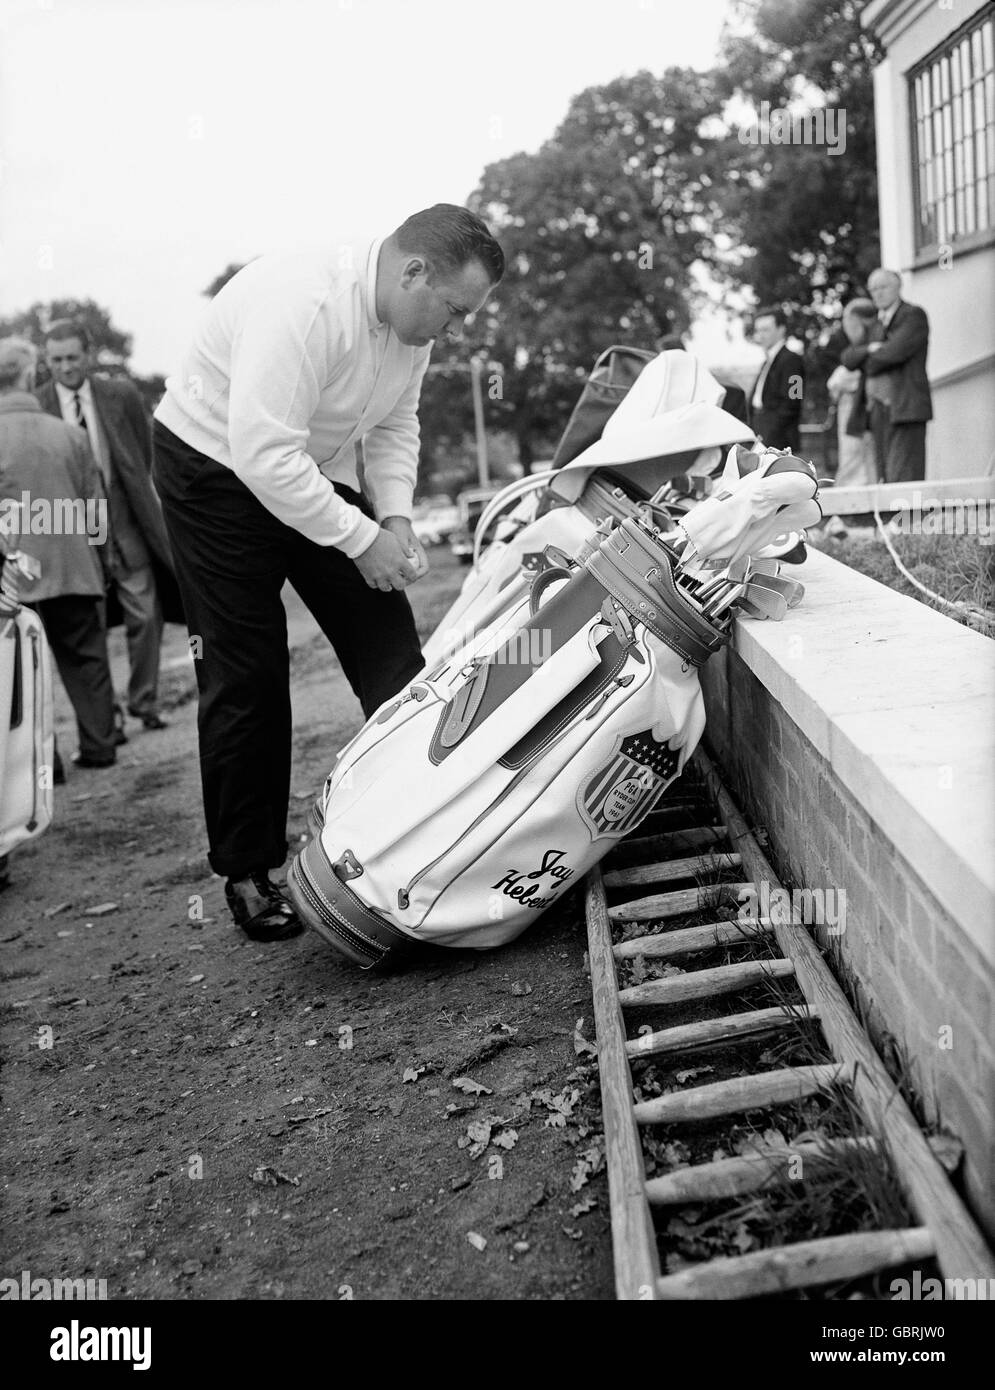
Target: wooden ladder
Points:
x,y
945,1231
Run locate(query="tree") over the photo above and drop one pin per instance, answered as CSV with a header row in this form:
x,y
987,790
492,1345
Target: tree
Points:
x,y
600,229
111,346
807,219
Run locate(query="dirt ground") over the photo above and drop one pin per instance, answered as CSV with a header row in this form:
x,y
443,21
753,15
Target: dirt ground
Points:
x,y
188,1114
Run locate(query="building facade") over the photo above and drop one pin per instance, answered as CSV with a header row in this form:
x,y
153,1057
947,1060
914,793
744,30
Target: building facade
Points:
x,y
934,102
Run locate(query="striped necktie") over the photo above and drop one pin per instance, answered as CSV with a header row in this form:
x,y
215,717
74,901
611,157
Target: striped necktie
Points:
x,y
80,417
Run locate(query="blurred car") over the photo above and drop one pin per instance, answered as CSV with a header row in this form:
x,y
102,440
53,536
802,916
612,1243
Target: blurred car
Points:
x,y
470,503
434,520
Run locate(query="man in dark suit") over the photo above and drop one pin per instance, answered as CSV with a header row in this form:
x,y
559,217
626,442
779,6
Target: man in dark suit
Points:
x,y
119,432
776,398
895,388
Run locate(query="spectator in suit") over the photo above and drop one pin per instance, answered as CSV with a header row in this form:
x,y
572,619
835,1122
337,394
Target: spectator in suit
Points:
x,y
119,432
47,465
896,388
776,397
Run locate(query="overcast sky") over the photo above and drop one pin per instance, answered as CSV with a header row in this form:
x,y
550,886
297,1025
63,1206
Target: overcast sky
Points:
x,y
148,143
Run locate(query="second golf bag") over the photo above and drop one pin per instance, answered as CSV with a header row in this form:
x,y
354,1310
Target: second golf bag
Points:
x,y
464,807
26,724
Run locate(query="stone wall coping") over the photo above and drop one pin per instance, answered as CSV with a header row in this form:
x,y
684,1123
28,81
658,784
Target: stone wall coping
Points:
x,y
900,700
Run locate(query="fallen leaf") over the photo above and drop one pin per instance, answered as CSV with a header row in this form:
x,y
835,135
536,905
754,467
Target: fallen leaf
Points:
x,y
101,910
507,1139
742,1239
412,1073
476,1240
582,1047
591,1161
272,1177
560,1106
469,1087
682,1076
574,1232
585,1205
195,979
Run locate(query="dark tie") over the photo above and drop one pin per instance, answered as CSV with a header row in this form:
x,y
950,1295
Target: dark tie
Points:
x,y
80,417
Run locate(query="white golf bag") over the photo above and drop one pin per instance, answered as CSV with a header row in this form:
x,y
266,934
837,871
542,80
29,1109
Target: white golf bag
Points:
x,y
27,741
465,806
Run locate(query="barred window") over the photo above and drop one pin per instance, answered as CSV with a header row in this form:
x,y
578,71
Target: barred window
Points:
x,y
953,113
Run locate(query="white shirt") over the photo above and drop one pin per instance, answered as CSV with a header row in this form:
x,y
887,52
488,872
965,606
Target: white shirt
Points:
x,y
758,390
67,404
288,369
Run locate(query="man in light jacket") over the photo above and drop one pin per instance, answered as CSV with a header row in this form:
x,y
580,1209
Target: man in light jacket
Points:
x,y
53,508
298,358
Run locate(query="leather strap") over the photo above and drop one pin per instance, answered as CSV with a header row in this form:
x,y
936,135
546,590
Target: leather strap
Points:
x,y
635,568
542,582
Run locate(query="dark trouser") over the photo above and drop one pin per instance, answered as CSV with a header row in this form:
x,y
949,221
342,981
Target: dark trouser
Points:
x,y
899,449
232,557
777,430
76,632
139,600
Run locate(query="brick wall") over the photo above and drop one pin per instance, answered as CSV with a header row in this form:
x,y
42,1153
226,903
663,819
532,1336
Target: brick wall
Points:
x,y
923,980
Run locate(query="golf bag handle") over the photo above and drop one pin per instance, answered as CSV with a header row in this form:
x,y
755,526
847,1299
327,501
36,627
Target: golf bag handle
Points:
x,y
542,582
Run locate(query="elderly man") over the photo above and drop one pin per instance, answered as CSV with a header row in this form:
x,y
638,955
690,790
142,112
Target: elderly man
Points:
x,y
49,479
298,358
896,388
118,429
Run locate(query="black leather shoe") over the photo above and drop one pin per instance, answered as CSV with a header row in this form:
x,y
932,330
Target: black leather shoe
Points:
x,y
119,735
81,760
260,909
153,721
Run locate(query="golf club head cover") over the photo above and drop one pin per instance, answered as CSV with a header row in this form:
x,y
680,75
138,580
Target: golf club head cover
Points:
x,y
755,503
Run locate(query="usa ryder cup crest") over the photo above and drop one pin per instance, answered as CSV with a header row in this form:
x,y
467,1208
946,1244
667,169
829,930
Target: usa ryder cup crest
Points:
x,y
626,789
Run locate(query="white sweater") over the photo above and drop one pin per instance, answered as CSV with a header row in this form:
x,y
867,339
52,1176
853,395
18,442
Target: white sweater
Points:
x,y
288,368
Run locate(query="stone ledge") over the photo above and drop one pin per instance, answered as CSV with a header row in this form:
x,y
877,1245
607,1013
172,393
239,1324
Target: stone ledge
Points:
x,y
900,701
